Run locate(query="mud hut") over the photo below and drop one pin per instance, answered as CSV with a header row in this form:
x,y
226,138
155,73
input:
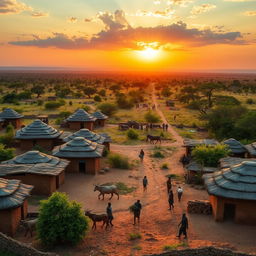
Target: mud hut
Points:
x,y
100,119
190,144
251,149
80,119
237,149
37,133
10,116
13,204
84,155
46,173
92,136
233,192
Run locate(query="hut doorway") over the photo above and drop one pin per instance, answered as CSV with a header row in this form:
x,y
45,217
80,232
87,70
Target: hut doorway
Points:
x,y
81,125
82,166
57,182
229,211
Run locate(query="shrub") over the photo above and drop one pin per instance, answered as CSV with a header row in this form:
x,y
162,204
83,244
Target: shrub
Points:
x,y
250,101
164,166
150,117
107,108
123,102
6,153
209,155
158,154
50,105
118,161
134,236
97,98
132,134
61,221
86,108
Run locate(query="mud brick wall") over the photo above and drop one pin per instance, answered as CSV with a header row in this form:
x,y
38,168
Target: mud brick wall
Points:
x,y
199,207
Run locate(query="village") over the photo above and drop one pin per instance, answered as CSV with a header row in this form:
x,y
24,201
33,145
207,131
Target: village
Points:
x,y
93,147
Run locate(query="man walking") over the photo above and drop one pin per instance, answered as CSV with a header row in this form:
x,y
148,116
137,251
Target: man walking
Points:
x,y
180,192
110,214
136,211
183,226
141,155
145,183
169,184
171,200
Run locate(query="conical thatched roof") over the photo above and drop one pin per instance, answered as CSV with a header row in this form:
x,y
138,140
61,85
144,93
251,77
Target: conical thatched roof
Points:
x,y
37,130
235,146
87,134
9,113
251,148
237,182
13,193
106,136
99,115
79,147
81,116
194,143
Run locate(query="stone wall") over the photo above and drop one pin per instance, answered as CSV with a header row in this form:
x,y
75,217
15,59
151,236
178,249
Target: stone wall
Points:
x,y
199,207
8,244
206,251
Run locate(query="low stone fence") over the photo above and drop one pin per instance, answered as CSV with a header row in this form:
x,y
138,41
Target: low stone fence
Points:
x,y
205,251
8,244
199,207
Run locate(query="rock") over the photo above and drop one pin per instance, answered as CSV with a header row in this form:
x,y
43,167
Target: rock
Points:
x,y
151,239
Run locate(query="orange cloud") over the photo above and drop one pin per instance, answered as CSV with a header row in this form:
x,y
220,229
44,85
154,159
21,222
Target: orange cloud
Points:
x,y
13,7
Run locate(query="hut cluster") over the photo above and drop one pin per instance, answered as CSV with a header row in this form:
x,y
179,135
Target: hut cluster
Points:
x,y
40,173
232,185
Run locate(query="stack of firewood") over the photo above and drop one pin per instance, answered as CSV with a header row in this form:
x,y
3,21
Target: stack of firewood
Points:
x,y
199,207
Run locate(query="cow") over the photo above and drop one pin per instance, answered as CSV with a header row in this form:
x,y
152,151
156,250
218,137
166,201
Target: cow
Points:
x,y
111,189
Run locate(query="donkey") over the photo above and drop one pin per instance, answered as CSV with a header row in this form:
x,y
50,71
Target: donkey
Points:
x,y
152,138
29,225
97,218
111,189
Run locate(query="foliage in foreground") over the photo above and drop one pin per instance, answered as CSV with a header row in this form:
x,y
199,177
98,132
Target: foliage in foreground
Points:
x,y
4,253
6,153
118,161
61,221
210,155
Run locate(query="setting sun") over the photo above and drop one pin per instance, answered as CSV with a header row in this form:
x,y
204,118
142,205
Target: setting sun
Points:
x,y
149,54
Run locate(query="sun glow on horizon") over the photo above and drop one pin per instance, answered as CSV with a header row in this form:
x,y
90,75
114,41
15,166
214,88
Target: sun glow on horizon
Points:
x,y
149,54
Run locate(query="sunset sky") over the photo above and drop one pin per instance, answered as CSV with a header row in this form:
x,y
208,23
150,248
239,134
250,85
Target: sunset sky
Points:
x,y
161,35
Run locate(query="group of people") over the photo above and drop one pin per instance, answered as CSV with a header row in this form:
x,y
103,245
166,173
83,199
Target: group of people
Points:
x,y
170,193
165,127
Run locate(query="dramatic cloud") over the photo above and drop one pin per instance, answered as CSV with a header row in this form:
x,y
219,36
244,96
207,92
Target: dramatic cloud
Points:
x,y
250,13
202,8
118,34
72,19
13,6
39,14
167,13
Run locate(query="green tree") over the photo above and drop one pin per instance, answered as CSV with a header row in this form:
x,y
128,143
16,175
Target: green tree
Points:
x,y
108,108
61,221
6,153
166,92
89,91
97,98
38,90
132,134
150,117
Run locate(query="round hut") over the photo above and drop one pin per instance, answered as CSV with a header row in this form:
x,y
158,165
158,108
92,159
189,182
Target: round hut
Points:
x,y
92,136
237,149
80,119
10,116
233,192
84,155
37,133
45,172
100,119
251,149
13,204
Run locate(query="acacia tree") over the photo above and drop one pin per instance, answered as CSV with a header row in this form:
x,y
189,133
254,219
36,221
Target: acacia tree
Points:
x,y
38,90
89,91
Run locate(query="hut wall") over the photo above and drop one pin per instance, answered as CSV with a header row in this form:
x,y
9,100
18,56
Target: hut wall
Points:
x,y
15,122
44,143
100,123
217,208
107,145
43,184
62,178
79,125
10,220
92,165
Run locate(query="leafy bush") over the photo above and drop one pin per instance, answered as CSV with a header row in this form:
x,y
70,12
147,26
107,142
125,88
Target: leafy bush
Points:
x,y
158,154
150,117
87,108
134,236
123,102
50,105
97,98
250,101
226,100
209,155
164,166
118,161
61,221
108,108
132,134
6,153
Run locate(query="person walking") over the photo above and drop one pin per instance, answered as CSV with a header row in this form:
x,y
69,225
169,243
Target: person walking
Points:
x,y
183,226
166,127
171,200
169,184
145,183
136,211
141,155
180,192
110,214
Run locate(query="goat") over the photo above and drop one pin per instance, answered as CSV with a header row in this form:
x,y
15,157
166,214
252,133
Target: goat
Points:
x,y
97,218
29,226
112,189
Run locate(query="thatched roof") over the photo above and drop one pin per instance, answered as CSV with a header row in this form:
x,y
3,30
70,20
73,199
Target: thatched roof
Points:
x,y
106,136
195,167
227,162
251,148
37,130
235,146
194,143
237,182
81,116
9,113
87,134
79,147
33,162
99,115
13,193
